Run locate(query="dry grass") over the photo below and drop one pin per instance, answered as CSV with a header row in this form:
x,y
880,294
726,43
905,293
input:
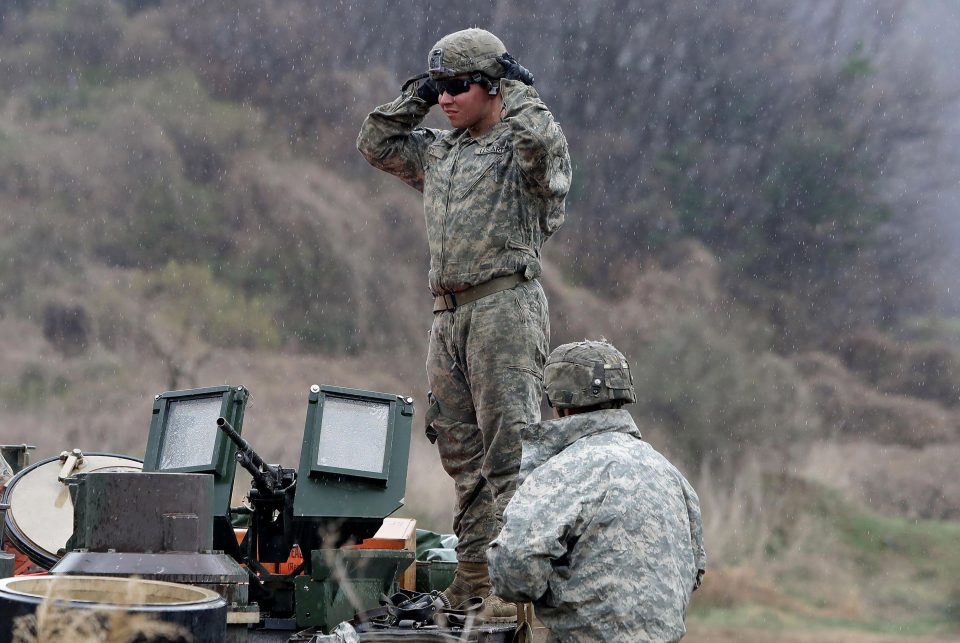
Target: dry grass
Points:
x,y
54,620
704,633
651,297
787,557
857,411
891,479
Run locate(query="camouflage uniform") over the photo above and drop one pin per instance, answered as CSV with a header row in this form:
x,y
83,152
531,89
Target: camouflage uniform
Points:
x,y
489,203
603,535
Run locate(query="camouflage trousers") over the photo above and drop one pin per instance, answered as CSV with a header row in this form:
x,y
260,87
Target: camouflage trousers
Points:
x,y
485,368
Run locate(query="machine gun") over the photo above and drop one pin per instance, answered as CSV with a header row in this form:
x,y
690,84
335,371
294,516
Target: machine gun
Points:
x,y
269,479
271,536
351,475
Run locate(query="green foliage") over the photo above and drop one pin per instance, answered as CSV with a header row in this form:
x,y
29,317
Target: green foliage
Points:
x,y
827,563
820,210
207,132
150,184
135,6
33,386
952,608
304,282
168,219
777,157
188,296
689,121
58,42
35,251
881,546
858,65
931,329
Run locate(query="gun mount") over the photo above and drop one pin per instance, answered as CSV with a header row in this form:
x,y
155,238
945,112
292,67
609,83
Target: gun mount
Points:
x,y
272,534
269,479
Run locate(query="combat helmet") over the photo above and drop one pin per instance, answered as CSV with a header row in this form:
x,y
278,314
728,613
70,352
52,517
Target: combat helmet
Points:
x,y
466,52
587,373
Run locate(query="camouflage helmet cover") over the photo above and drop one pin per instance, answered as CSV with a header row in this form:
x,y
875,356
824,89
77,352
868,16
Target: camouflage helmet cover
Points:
x,y
587,373
466,51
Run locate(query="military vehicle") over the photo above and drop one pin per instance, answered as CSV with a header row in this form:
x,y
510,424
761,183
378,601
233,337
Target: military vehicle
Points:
x,y
310,547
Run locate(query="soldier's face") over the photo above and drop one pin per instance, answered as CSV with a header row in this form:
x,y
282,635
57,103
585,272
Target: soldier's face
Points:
x,y
474,109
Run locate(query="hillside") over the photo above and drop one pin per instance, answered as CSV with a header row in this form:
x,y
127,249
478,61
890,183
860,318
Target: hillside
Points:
x,y
762,219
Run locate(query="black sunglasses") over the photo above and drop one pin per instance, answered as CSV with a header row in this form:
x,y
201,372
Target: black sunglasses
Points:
x,y
455,86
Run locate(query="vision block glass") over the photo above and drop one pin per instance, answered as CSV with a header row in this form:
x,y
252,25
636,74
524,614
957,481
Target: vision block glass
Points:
x,y
353,434
191,432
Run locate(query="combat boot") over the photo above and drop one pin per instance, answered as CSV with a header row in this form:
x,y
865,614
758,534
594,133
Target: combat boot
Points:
x,y
470,579
497,610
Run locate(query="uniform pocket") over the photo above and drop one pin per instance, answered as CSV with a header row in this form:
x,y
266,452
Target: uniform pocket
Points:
x,y
531,309
485,171
433,412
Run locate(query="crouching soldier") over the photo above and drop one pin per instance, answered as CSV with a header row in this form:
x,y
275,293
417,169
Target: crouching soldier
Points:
x,y
603,535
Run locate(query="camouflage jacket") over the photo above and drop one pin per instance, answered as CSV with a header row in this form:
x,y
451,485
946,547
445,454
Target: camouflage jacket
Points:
x,y
489,202
603,535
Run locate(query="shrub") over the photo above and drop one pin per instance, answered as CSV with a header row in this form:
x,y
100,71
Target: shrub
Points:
x,y
717,395
927,370
32,386
188,296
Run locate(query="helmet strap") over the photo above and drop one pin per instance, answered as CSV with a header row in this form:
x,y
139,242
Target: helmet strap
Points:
x,y
493,87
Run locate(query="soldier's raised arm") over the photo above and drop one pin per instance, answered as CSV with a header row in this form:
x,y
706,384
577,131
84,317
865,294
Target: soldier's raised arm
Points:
x,y
391,139
540,148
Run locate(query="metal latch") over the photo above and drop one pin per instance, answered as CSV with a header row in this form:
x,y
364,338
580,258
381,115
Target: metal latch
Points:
x,y
71,460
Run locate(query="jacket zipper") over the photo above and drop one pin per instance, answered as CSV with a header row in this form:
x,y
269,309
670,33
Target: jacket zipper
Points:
x,y
446,209
477,180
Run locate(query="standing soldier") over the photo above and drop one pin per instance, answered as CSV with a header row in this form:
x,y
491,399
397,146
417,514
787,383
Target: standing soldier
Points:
x,y
604,535
494,189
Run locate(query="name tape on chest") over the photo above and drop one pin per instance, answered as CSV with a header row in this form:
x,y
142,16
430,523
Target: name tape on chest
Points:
x,y
491,149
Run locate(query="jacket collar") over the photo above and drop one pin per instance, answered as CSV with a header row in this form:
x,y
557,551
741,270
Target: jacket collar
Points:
x,y
543,440
489,137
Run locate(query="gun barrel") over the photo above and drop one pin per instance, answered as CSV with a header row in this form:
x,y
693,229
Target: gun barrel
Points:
x,y
242,444
265,475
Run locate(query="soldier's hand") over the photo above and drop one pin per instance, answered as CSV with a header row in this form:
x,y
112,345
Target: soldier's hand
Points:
x,y
427,92
514,70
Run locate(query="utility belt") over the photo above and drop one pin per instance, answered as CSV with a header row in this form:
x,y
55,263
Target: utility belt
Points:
x,y
452,301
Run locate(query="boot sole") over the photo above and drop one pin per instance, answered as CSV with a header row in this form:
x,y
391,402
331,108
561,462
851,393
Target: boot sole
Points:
x,y
499,619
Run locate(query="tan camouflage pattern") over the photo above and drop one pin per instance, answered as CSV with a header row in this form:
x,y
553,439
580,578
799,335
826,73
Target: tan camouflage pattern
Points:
x,y
466,51
603,535
489,202
486,359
